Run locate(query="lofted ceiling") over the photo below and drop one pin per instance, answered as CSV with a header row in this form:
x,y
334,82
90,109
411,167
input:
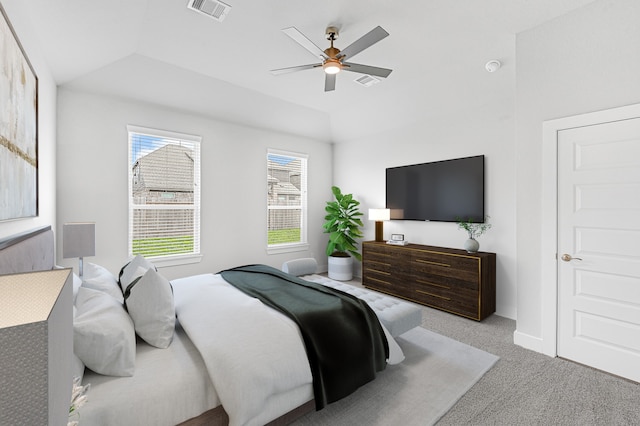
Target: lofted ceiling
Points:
x,y
159,51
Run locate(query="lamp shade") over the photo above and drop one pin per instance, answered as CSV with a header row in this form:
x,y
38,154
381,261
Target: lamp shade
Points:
x,y
78,239
379,214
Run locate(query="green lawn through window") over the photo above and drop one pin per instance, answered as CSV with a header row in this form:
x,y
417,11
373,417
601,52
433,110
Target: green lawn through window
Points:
x,y
283,236
163,246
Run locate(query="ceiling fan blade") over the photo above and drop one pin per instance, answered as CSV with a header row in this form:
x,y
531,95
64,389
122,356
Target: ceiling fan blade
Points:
x,y
294,69
367,69
329,82
367,40
303,41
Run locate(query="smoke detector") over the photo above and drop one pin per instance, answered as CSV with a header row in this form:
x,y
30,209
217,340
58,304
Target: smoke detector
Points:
x,y
493,65
212,8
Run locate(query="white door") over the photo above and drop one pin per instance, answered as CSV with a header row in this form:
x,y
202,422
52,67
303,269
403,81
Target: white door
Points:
x,y
599,246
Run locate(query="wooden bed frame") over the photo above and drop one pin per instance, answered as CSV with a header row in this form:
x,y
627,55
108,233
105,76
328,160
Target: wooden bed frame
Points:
x,y
34,250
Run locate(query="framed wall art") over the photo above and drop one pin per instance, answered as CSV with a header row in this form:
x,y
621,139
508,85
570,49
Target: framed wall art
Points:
x,y
18,128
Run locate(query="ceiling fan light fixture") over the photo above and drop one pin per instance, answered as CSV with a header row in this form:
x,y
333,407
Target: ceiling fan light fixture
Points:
x,y
332,66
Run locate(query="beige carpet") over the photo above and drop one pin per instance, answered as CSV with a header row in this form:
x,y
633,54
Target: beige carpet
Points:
x,y
437,371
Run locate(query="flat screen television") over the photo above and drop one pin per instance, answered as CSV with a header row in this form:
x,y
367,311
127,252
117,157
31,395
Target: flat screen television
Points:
x,y
442,191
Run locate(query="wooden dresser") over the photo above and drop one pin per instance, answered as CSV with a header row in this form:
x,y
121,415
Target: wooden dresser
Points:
x,y
448,279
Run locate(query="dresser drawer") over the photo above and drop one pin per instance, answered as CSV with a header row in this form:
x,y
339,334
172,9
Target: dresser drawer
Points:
x,y
380,253
446,266
454,282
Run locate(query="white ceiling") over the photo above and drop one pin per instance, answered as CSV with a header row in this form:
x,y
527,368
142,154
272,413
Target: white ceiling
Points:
x,y
159,51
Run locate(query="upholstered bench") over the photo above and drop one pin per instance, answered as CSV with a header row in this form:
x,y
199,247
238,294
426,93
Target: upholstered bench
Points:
x,y
396,315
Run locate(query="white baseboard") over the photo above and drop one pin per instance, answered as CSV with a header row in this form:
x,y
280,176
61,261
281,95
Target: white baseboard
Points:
x,y
527,341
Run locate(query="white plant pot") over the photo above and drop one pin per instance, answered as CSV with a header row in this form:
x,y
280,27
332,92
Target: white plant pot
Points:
x,y
341,268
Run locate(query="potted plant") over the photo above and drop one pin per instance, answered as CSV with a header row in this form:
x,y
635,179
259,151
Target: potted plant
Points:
x,y
474,230
343,224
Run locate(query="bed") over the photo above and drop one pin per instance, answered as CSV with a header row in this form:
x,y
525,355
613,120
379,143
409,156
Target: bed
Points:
x,y
184,367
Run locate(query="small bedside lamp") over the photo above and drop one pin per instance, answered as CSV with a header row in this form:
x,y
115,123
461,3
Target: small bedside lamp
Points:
x,y
379,215
78,240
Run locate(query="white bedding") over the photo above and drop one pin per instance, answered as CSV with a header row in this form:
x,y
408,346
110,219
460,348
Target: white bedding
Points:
x,y
168,387
228,349
254,355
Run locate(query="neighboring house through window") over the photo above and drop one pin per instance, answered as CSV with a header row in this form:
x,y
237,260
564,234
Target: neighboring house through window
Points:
x,y
286,201
164,195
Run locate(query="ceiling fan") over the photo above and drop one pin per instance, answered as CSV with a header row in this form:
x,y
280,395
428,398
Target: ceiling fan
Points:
x,y
333,59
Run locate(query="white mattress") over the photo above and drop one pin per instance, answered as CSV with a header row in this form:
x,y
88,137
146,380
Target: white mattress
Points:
x,y
169,386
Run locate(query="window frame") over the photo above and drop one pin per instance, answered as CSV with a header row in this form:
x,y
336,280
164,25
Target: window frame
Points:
x,y
303,244
173,259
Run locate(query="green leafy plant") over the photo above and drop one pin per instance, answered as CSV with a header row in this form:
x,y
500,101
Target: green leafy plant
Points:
x,y
343,224
474,229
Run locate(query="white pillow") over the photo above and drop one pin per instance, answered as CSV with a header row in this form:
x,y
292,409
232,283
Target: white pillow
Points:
x,y
103,334
299,267
77,366
132,270
150,305
98,278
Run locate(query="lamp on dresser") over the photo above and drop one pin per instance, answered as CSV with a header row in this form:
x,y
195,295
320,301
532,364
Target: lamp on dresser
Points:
x,y
379,215
36,347
78,240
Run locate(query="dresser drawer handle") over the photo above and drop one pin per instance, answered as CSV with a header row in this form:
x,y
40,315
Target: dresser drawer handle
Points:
x,y
379,263
377,272
379,253
433,295
433,263
433,284
379,281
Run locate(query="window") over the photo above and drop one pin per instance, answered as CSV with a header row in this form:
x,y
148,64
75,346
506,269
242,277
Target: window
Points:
x,y
286,201
164,195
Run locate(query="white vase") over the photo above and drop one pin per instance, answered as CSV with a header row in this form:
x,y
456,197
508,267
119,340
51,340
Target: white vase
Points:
x,y
341,268
471,245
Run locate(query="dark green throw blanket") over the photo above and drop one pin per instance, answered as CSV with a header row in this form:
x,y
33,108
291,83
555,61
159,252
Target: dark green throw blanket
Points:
x,y
344,340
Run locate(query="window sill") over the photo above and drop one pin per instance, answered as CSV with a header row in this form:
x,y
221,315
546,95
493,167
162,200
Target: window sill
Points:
x,y
177,260
287,248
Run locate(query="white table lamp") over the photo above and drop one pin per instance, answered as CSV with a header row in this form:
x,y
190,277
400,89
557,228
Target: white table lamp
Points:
x,y
379,215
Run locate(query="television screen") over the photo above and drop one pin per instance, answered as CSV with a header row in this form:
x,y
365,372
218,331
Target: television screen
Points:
x,y
442,191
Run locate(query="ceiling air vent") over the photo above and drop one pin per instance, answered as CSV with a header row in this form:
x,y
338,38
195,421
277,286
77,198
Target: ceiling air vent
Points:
x,y
367,80
212,8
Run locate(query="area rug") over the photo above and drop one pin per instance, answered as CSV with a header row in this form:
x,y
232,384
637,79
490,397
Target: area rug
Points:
x,y
436,372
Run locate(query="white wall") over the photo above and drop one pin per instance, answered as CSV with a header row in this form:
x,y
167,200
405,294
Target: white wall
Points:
x,y
92,180
17,12
359,168
585,61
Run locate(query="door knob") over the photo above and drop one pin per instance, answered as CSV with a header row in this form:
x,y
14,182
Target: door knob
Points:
x,y
568,258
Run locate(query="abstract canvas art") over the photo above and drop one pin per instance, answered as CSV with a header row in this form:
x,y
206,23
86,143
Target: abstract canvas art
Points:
x,y
18,128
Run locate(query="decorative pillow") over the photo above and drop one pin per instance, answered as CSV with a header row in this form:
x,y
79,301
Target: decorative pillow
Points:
x,y
149,300
98,278
298,267
103,334
132,270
